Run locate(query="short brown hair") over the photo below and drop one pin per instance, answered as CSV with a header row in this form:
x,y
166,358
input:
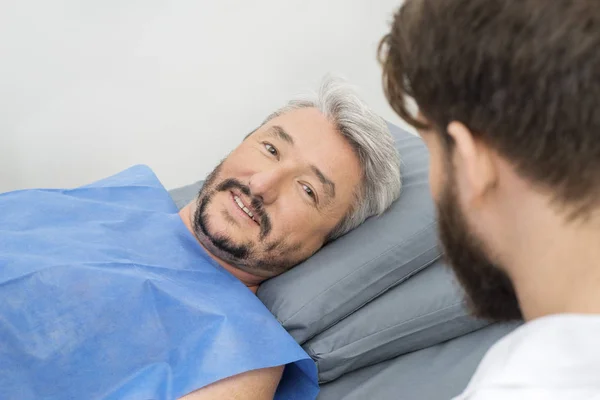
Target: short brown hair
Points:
x,y
523,75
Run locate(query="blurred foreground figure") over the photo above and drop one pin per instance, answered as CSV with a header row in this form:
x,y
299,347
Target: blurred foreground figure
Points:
x,y
508,97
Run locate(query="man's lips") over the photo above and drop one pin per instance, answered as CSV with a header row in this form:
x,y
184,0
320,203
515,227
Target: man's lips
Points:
x,y
244,208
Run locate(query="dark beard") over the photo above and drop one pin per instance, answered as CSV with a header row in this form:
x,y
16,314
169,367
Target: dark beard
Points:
x,y
278,255
222,243
490,292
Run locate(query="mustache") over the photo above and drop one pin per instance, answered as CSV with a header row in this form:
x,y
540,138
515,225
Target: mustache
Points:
x,y
256,202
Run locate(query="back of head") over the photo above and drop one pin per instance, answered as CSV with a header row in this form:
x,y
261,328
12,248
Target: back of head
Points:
x,y
372,142
523,76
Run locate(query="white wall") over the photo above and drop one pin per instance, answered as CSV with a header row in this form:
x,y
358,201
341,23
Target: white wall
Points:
x,y
88,88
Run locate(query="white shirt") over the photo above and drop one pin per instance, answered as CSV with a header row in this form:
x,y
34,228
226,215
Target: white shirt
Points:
x,y
550,358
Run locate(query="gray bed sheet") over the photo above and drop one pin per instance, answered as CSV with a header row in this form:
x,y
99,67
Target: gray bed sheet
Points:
x,y
436,373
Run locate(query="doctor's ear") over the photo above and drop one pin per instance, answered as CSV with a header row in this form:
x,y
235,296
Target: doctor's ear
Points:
x,y
474,159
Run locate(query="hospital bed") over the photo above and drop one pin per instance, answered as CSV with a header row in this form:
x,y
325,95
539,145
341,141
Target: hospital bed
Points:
x,y
377,309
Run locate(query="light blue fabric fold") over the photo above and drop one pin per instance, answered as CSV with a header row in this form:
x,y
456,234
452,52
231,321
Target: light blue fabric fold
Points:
x,y
105,294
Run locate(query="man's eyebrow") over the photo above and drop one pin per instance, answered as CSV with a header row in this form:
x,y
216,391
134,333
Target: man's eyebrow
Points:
x,y
279,132
327,183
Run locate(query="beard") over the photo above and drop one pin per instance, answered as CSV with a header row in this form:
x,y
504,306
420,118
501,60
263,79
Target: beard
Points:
x,y
489,291
265,257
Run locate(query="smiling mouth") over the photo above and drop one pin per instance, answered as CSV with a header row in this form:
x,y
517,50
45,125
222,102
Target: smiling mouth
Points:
x,y
243,207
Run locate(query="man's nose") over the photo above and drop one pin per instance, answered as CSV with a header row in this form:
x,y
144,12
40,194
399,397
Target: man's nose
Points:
x,y
268,184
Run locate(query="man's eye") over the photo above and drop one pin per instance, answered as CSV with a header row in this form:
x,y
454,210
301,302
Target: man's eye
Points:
x,y
271,149
309,192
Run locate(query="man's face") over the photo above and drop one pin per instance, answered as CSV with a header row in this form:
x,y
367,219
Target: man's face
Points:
x,y
272,202
489,291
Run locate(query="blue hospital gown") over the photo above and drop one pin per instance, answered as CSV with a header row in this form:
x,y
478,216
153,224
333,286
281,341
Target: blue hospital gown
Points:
x,y
105,294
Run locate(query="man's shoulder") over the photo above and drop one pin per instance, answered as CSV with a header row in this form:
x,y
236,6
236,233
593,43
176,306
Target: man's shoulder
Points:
x,y
251,385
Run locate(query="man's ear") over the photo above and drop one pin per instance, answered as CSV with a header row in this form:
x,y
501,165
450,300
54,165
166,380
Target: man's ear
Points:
x,y
474,159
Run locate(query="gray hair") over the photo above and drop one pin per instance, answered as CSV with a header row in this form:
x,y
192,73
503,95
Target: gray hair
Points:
x,y
372,142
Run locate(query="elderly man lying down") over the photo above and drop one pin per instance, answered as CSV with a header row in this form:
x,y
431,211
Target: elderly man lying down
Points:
x,y
109,292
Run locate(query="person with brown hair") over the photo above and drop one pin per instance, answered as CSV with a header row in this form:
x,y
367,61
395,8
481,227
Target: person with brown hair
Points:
x,y
508,98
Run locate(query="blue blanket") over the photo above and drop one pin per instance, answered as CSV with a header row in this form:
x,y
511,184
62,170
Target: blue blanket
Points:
x,y
105,294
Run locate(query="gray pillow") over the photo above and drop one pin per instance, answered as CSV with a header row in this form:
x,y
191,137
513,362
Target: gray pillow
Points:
x,y
422,312
438,372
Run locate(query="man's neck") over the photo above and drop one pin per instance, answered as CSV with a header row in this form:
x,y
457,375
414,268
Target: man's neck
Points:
x,y
251,281
556,267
